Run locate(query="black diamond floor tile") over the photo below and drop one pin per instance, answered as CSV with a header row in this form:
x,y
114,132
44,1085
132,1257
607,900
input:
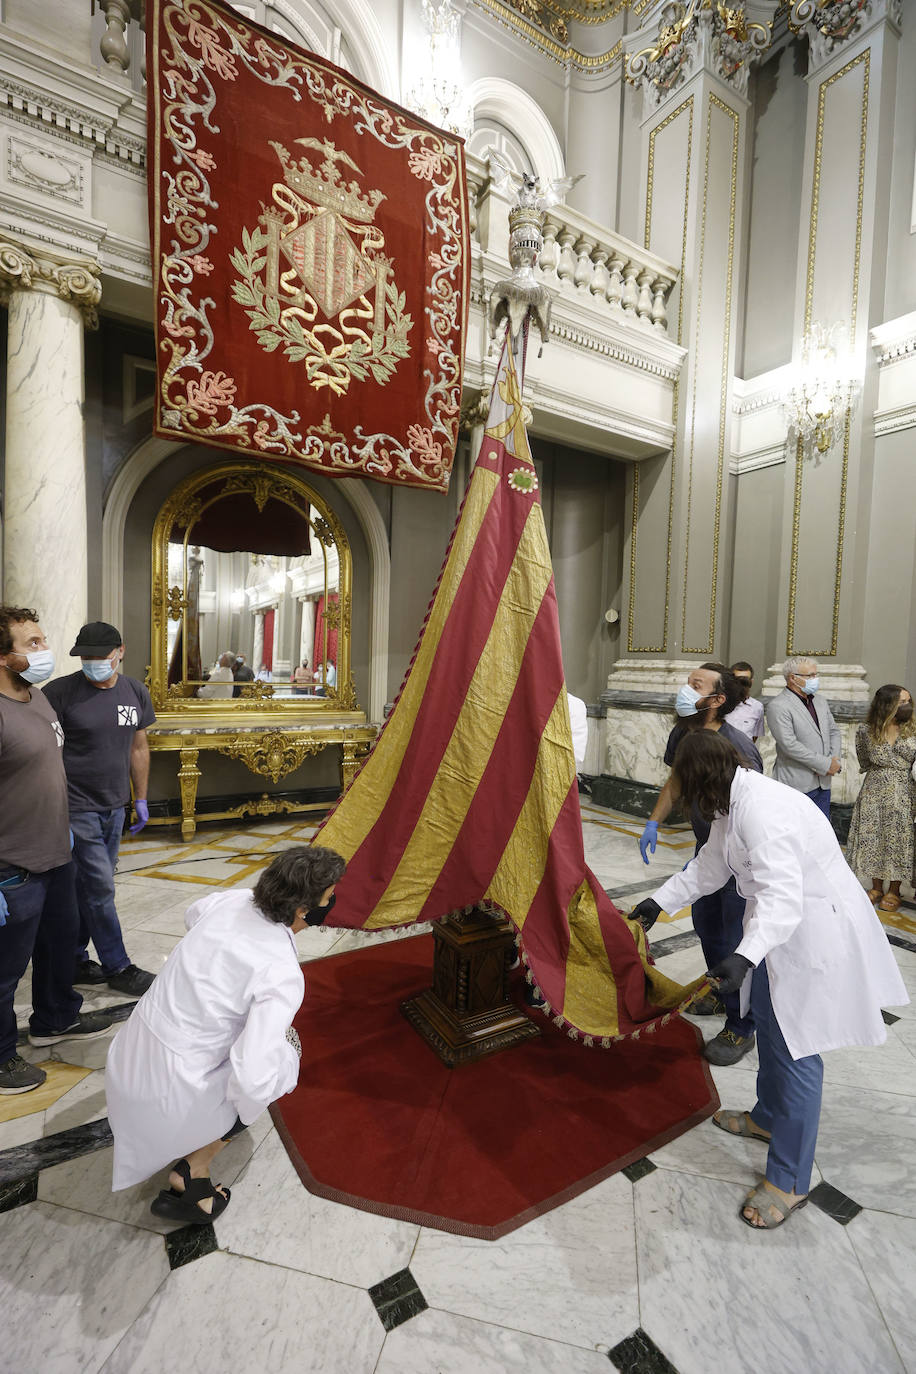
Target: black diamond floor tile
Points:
x,y
397,1299
20,1161
834,1203
639,1354
889,1018
638,1169
189,1243
18,1192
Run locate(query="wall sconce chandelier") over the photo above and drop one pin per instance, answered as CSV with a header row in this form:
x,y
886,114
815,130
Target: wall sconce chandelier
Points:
x,y
438,94
826,390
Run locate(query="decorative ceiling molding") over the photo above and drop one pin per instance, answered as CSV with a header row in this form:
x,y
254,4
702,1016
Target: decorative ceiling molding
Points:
x,y
543,24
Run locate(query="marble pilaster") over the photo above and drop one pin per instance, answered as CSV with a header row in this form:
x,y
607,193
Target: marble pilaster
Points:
x,y
307,632
257,652
49,301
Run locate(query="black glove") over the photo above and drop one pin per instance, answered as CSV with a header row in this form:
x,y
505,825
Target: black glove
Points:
x,y
728,975
646,913
318,914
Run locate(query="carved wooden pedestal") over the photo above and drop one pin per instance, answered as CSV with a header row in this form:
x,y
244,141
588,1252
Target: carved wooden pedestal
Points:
x,y
467,1012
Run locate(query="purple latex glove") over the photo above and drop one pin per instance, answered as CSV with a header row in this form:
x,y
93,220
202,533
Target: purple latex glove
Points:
x,y
141,810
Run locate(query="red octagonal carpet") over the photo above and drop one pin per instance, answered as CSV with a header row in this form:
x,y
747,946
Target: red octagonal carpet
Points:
x,y
379,1123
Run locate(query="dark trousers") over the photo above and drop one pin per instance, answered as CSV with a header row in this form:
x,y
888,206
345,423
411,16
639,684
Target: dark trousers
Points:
x,y
788,1095
821,797
719,921
41,925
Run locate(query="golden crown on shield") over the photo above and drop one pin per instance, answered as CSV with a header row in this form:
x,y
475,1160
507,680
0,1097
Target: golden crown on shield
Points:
x,y
324,185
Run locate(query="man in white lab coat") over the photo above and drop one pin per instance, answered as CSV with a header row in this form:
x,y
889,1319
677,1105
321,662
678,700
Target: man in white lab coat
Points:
x,y
210,1046
814,960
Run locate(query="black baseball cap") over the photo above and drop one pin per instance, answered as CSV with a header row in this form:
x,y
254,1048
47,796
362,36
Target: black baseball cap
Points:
x,y
96,640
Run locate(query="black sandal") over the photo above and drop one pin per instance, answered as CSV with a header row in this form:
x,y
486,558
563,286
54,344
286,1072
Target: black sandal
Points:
x,y
183,1207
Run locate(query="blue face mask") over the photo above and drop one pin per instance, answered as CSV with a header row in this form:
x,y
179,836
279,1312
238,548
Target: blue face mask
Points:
x,y
98,669
685,703
41,666
811,685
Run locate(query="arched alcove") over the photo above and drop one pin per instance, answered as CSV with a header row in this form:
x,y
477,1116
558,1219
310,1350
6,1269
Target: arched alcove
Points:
x,y
513,111
136,494
347,33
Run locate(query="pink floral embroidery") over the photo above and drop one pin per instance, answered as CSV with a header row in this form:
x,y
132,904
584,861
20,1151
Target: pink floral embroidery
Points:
x,y
422,443
205,161
424,163
201,264
214,55
214,389
261,437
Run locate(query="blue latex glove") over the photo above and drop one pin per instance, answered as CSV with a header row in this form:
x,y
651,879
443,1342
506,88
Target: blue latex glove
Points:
x,y
141,810
4,910
648,840
72,840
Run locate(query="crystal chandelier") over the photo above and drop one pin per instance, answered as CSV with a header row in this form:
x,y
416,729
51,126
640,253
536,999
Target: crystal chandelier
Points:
x,y
826,390
437,94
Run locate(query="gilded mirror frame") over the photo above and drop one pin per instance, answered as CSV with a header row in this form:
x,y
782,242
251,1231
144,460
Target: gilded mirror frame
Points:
x,y
180,511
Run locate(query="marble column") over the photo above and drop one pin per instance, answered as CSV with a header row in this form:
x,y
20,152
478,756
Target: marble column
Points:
x,y
50,301
257,653
307,634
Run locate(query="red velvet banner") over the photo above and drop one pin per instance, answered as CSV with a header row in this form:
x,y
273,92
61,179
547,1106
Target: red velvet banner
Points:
x,y
310,255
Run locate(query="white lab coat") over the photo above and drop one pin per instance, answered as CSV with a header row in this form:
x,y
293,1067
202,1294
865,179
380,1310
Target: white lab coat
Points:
x,y
830,966
578,722
207,1042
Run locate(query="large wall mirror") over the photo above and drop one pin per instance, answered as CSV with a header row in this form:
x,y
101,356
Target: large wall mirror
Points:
x,y
251,595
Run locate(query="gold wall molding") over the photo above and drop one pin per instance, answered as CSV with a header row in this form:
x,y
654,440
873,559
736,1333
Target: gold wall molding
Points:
x,y
714,103
792,648
662,648
512,15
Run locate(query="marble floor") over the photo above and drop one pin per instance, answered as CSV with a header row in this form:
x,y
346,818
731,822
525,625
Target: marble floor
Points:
x,y
651,1271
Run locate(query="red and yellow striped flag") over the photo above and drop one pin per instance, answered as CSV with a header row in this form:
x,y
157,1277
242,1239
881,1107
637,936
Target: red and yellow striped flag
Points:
x,y
470,796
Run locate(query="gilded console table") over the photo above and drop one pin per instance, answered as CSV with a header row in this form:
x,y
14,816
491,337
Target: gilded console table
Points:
x,y
268,750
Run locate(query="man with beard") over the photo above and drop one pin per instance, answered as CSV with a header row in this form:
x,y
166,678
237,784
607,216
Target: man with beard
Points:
x,y
708,696
38,919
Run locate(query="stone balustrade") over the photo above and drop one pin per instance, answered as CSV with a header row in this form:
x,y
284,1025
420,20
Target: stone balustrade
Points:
x,y
123,40
582,258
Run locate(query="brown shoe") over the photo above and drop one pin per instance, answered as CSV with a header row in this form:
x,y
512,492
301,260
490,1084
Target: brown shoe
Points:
x,y
889,902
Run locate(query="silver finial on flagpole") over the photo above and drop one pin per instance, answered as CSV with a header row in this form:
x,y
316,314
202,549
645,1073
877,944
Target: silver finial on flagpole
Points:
x,y
517,297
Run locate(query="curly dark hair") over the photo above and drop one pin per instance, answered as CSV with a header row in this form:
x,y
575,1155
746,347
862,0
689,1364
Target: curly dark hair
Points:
x,y
295,880
704,766
9,616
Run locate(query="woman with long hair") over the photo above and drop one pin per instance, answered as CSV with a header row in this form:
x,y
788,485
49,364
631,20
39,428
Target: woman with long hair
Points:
x,y
813,961
880,848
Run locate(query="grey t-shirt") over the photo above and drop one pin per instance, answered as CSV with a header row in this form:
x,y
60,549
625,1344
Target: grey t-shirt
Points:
x,y
746,748
99,727
34,829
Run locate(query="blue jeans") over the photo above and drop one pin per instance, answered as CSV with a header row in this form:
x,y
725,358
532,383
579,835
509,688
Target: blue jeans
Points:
x,y
96,841
788,1095
821,797
719,921
41,925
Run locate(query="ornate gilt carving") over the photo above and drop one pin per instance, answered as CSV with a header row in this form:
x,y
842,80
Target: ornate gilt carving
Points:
x,y
272,754
688,36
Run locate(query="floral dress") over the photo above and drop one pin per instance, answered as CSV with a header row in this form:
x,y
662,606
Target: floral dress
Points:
x,y
881,834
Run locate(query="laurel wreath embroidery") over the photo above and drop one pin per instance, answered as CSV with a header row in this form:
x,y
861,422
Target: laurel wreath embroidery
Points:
x,y
375,354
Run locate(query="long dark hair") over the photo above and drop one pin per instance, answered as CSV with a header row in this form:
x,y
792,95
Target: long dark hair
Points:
x,y
295,880
704,766
882,711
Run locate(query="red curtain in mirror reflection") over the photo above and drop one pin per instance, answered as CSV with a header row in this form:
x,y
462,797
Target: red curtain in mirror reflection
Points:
x,y
267,655
326,621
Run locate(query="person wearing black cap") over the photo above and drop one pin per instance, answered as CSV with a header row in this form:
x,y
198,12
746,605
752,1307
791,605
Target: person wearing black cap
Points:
x,y
104,717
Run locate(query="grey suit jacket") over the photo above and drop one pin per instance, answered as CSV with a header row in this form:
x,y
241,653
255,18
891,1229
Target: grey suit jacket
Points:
x,y
803,749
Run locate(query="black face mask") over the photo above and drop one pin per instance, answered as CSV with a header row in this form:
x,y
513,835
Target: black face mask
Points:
x,y
318,914
904,713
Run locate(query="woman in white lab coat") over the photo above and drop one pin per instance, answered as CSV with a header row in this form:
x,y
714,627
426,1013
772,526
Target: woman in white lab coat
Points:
x,y
210,1045
814,960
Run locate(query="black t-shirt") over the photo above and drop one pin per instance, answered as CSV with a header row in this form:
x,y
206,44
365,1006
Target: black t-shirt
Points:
x,y
746,748
99,727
